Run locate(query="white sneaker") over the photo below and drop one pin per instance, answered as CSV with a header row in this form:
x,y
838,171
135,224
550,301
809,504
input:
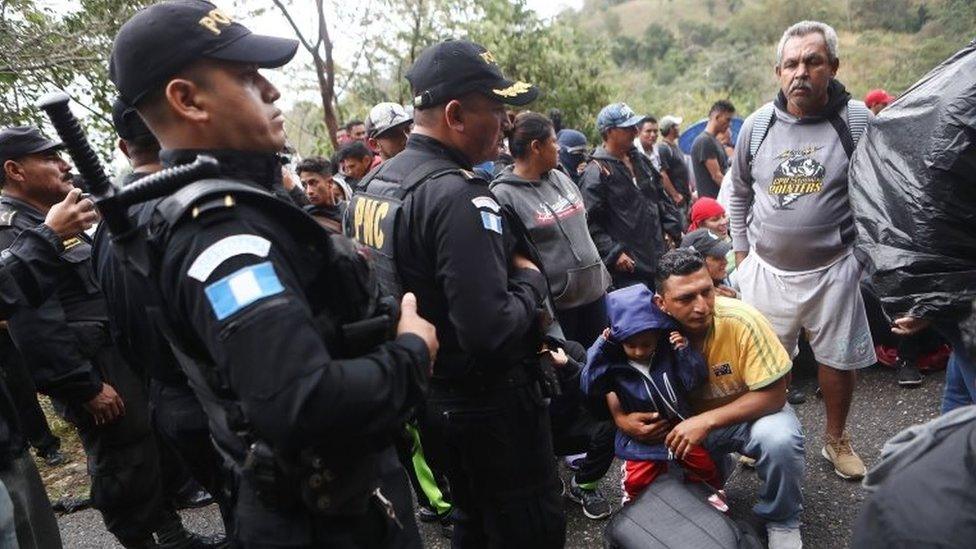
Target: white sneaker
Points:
x,y
781,537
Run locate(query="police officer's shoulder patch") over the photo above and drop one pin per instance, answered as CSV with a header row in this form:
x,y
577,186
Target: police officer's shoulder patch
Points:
x,y
225,248
491,222
243,287
486,203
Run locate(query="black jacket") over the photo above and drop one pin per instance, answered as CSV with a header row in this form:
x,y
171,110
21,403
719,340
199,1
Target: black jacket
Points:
x,y
628,215
264,333
57,338
457,261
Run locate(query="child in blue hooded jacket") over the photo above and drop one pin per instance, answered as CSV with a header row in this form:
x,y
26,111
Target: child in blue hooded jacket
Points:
x,y
649,365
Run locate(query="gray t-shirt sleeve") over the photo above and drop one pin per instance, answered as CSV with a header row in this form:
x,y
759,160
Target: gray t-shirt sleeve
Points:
x,y
741,197
664,156
704,149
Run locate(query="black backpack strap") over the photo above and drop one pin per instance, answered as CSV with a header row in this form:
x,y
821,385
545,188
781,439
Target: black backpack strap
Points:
x,y
763,120
843,132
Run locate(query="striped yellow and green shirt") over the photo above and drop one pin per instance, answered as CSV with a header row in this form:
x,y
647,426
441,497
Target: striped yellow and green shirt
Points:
x,y
742,352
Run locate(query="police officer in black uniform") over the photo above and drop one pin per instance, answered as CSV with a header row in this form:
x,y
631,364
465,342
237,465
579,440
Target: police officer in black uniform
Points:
x,y
436,231
28,275
176,415
66,344
257,300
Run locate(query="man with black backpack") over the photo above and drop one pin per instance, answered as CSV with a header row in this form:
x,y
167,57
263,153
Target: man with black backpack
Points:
x,y
791,216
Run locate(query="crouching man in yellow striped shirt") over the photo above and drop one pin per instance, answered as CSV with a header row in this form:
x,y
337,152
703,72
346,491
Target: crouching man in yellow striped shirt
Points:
x,y
743,406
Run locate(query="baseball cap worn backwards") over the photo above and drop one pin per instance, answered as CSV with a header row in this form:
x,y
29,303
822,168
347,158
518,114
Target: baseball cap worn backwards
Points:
x,y
384,117
450,69
164,38
706,243
20,141
618,115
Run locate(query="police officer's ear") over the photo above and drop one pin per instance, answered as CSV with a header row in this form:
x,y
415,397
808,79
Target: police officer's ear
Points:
x,y
13,171
183,96
124,148
452,115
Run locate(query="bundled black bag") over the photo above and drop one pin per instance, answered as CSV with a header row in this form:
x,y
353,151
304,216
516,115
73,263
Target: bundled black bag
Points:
x,y
913,191
671,514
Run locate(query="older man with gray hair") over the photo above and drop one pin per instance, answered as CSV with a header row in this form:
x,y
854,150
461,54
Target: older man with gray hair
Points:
x,y
792,226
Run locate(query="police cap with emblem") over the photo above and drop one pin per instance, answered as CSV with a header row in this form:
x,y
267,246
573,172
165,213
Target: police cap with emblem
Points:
x,y
453,68
164,38
20,141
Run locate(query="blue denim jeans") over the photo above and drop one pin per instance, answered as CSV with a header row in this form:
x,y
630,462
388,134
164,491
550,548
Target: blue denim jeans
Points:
x,y
8,530
960,382
776,442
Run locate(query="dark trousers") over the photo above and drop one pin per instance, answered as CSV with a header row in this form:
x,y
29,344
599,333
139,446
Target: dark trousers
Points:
x,y
33,423
623,280
576,431
258,526
909,347
585,323
33,518
123,459
181,425
495,447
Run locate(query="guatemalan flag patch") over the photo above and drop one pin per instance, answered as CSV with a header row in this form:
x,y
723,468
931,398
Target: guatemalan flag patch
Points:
x,y
491,222
243,287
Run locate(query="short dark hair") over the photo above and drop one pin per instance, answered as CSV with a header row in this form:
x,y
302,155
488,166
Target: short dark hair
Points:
x,y
650,119
528,127
678,262
722,105
353,123
314,164
354,149
556,116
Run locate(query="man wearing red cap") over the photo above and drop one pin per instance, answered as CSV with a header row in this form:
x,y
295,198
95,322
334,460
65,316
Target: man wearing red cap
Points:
x,y
878,99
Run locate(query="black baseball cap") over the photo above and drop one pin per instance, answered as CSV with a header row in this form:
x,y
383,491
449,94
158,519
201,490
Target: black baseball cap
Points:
x,y
128,124
20,141
447,70
706,243
161,39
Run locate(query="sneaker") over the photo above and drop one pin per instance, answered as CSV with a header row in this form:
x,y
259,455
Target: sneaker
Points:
x,y
574,461
781,537
717,500
595,505
847,464
908,374
52,458
796,396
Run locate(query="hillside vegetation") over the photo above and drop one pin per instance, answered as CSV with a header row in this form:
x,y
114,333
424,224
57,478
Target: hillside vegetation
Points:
x,y
679,56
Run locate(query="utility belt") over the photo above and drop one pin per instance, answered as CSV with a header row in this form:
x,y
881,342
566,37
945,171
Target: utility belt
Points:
x,y
528,371
308,482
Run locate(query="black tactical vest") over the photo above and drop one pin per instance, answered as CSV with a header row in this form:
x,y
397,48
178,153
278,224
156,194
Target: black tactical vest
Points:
x,y
351,318
375,211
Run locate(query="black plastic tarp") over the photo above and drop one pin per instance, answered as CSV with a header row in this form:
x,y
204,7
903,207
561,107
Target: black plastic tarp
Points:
x,y
913,191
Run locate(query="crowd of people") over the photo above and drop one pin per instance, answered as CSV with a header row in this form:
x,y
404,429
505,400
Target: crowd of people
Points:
x,y
423,324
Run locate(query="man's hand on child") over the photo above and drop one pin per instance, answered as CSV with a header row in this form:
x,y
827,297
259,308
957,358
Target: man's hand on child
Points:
x,y
678,341
688,434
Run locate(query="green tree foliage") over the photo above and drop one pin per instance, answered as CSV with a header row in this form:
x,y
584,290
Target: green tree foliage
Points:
x,y
42,50
566,63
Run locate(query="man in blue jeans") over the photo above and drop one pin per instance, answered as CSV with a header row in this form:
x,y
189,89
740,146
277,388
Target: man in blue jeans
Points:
x,y
743,406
